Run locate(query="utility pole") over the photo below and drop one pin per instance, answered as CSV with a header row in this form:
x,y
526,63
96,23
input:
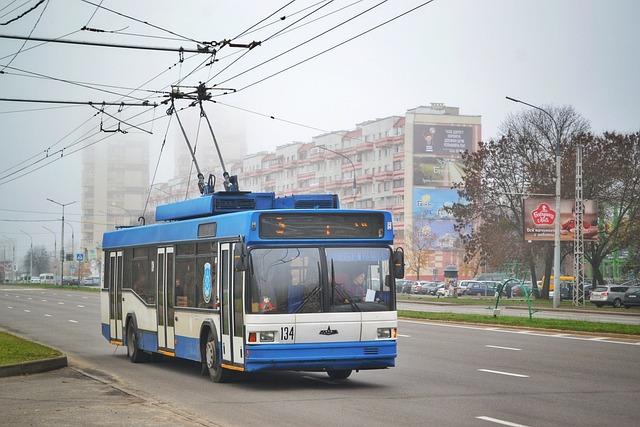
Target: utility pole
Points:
x,y
556,232
62,237
30,254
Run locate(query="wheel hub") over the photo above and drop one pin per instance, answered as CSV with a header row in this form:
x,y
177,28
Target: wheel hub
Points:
x,y
210,352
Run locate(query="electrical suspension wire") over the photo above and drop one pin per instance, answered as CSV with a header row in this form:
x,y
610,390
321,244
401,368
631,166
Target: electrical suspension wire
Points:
x,y
94,13
26,12
302,43
30,33
282,18
295,22
39,44
14,9
164,140
157,27
261,21
28,110
52,101
330,48
199,49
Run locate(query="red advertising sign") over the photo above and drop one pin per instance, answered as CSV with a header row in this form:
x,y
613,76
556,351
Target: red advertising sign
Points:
x,y
540,216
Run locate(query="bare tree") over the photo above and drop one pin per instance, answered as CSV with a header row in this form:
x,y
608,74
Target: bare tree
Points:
x,y
41,260
418,244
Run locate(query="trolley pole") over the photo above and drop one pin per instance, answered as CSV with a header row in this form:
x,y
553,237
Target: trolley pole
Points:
x,y
62,237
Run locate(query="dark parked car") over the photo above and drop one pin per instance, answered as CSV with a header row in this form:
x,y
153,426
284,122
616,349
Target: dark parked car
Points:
x,y
481,289
632,297
404,286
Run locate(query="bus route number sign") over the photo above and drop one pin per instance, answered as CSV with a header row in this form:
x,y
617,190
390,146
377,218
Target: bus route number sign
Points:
x,y
286,333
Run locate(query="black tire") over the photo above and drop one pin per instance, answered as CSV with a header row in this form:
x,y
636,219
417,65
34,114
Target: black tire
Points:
x,y
135,354
339,374
617,303
211,360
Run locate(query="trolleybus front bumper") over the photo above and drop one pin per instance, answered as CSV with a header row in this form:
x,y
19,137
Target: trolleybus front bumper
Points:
x,y
321,356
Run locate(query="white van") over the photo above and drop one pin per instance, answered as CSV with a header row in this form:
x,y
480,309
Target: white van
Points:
x,y
47,278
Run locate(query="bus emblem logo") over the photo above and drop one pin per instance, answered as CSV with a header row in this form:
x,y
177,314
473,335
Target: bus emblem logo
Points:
x,y
328,331
206,283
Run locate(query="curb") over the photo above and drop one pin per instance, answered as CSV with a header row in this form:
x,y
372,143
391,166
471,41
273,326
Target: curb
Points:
x,y
33,367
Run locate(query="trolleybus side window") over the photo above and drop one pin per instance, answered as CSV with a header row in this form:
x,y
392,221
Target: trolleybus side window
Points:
x,y
185,276
141,283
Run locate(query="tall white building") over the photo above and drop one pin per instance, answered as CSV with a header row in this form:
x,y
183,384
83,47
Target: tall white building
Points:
x,y
115,182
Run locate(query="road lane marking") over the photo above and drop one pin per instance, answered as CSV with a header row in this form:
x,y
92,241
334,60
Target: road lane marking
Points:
x,y
81,306
503,348
85,297
44,300
9,308
73,321
404,336
502,422
47,315
61,303
510,374
597,339
27,311
29,298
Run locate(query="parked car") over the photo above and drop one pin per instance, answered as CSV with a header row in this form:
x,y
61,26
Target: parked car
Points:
x,y
70,280
435,287
608,295
35,279
481,289
632,297
90,281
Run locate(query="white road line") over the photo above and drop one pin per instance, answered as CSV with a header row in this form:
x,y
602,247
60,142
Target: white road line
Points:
x,y
597,338
81,306
27,311
61,303
503,348
9,308
502,422
44,300
85,297
29,298
404,336
510,374
73,321
47,315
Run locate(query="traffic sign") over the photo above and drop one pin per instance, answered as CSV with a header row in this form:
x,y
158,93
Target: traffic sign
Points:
x,y
80,257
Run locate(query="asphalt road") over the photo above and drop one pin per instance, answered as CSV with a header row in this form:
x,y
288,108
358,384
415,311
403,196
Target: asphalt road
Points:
x,y
447,375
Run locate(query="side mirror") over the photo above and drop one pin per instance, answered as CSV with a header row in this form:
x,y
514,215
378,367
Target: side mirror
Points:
x,y
398,263
240,256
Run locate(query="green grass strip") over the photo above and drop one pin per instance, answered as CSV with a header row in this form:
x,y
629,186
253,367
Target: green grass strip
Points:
x,y
565,325
50,286
16,350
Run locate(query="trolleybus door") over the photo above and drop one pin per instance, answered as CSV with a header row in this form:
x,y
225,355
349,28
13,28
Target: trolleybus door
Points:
x,y
165,312
115,295
232,307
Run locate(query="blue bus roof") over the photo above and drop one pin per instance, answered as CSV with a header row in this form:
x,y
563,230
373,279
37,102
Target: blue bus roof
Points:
x,y
232,225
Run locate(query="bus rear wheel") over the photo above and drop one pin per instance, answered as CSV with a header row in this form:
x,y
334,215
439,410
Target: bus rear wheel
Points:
x,y
212,360
339,374
133,352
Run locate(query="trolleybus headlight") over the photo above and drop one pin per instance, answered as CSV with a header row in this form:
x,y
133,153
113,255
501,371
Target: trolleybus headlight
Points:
x,y
267,336
384,333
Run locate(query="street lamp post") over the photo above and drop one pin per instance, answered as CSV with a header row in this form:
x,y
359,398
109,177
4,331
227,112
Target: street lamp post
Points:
x,y
30,254
556,233
62,237
55,242
353,167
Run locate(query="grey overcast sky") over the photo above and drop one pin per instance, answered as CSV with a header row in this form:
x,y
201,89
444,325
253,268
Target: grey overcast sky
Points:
x,y
465,53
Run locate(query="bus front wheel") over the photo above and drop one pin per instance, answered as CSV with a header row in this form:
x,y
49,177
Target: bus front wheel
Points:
x,y
212,359
133,352
339,374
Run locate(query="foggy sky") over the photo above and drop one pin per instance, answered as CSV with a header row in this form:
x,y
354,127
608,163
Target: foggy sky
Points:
x,y
463,53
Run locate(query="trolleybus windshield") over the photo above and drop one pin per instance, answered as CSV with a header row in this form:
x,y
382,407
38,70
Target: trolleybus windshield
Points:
x,y
314,280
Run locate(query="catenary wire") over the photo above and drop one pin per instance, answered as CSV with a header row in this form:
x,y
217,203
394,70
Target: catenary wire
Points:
x,y
153,180
26,12
94,13
330,48
30,33
14,9
261,21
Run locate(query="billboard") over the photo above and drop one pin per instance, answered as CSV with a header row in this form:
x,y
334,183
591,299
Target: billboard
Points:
x,y
431,203
540,214
439,235
442,139
437,171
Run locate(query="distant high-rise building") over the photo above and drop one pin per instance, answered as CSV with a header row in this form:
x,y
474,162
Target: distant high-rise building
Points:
x,y
115,183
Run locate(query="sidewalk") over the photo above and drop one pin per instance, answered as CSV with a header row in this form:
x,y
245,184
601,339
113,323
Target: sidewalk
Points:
x,y
68,397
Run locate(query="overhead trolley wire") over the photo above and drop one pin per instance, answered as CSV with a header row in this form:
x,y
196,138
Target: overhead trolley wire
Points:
x,y
141,21
261,21
30,33
326,50
301,44
14,9
26,12
282,18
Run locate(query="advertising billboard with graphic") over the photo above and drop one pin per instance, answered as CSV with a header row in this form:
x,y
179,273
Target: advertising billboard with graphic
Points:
x,y
540,214
442,139
437,171
431,203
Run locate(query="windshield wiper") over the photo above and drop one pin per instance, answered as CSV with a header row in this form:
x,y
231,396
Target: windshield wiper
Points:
x,y
341,291
313,292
